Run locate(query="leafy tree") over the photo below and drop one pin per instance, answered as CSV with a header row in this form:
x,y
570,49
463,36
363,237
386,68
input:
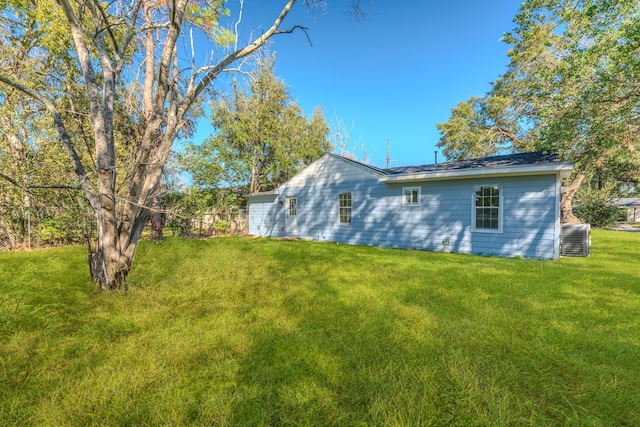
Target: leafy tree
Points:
x,y
481,127
262,138
571,87
32,164
139,55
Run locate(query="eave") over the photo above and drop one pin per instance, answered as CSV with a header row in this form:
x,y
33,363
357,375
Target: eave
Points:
x,y
265,193
562,168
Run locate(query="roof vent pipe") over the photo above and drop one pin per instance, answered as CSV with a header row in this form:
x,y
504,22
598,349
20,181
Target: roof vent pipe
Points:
x,y
435,154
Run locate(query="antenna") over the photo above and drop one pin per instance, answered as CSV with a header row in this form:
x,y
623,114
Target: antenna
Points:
x,y
388,152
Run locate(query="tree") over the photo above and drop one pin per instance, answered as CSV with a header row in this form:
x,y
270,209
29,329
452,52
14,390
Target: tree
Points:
x,y
481,127
119,50
595,205
343,142
572,87
30,158
262,138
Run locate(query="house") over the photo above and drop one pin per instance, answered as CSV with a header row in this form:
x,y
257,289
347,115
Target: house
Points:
x,y
503,205
631,205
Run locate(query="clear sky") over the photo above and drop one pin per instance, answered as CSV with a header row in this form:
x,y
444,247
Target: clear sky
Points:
x,y
392,77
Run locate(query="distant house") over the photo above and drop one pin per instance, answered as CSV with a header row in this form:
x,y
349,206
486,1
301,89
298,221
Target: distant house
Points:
x,y
631,205
502,205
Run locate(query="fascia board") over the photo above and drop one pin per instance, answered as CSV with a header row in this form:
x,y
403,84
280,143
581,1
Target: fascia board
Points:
x,y
564,169
350,162
357,164
265,193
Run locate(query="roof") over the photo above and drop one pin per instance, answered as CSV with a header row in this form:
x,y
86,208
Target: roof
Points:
x,y
536,158
626,202
536,163
356,163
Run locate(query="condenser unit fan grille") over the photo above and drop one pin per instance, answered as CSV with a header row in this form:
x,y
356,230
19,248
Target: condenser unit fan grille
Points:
x,y
575,240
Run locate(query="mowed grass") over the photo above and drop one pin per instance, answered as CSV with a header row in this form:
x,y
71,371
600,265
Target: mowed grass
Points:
x,y
242,332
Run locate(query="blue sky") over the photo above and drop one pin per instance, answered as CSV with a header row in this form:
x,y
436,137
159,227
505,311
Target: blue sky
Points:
x,y
393,76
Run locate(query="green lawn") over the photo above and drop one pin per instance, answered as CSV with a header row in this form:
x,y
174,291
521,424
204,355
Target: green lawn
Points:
x,y
241,331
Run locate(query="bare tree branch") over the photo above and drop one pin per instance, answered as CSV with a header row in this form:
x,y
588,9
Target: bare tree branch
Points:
x,y
11,180
296,27
62,132
497,130
210,76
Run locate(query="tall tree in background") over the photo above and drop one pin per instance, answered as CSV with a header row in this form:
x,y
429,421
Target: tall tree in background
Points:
x,y
121,49
262,137
572,87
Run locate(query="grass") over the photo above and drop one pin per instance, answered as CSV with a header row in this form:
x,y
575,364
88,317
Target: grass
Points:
x,y
241,331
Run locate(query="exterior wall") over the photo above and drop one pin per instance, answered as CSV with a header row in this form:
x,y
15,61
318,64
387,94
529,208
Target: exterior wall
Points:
x,y
263,215
633,214
530,212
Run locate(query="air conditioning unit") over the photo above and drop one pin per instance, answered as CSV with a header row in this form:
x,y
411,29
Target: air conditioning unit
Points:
x,y
575,240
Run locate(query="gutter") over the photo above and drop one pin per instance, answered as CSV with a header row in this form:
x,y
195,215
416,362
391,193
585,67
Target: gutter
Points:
x,y
564,169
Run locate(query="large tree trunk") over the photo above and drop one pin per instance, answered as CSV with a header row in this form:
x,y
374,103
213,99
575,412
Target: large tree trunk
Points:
x,y
109,269
110,262
566,200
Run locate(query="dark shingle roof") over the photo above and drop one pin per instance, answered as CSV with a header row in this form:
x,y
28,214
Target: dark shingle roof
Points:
x,y
626,202
522,159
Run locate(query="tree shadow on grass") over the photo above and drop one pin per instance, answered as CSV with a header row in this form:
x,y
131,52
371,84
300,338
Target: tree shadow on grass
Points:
x,y
343,355
381,352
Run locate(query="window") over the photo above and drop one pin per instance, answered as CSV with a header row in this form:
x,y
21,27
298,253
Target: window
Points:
x,y
487,209
411,196
344,216
293,205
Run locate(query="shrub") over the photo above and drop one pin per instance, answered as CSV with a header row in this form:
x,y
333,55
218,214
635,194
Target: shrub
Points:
x,y
594,206
222,226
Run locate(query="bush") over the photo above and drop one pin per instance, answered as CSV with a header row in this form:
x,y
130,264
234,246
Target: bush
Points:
x,y
222,226
594,206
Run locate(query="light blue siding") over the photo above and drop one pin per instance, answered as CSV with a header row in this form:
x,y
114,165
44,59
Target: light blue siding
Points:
x,y
530,215
263,215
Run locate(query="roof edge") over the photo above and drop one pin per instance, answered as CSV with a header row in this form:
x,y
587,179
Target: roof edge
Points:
x,y
562,168
368,168
265,193
365,166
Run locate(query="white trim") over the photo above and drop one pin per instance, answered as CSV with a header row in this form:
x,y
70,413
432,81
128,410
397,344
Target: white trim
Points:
x,y
265,193
350,193
355,163
486,172
295,205
557,226
500,188
412,189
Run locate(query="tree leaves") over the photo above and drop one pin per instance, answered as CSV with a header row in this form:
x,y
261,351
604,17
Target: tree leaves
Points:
x,y
572,86
261,140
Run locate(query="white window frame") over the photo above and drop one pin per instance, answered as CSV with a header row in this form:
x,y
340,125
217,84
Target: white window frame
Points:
x,y
418,190
500,209
293,211
350,207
